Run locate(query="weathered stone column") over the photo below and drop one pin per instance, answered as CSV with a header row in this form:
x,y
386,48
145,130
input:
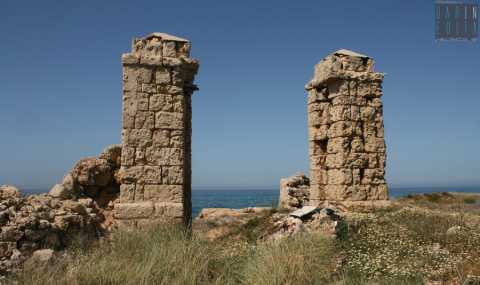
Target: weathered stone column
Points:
x,y
346,138
155,171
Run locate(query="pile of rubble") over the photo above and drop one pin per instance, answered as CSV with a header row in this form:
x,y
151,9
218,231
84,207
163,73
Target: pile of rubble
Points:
x,y
78,210
266,224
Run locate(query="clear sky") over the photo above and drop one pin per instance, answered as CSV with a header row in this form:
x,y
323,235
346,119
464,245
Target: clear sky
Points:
x,y
60,85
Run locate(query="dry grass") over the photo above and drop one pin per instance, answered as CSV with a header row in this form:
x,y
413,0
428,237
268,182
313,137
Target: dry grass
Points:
x,y
425,237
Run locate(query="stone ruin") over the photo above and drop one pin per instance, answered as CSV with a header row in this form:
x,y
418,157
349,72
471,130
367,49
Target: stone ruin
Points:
x,y
147,179
156,137
346,133
346,136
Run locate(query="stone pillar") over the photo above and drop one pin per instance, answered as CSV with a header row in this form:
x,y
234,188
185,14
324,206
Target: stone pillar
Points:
x,y
346,138
155,170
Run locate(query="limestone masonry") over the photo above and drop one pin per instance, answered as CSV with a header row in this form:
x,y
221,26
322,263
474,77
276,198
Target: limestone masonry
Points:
x,y
346,132
155,172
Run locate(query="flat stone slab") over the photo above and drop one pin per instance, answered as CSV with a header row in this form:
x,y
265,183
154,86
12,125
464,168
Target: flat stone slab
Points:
x,y
304,211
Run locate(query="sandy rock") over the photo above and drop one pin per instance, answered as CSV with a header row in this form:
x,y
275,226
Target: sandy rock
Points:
x,y
455,230
61,192
9,192
42,255
93,172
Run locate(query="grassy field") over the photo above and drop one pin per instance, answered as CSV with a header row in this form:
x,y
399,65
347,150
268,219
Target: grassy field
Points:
x,y
418,240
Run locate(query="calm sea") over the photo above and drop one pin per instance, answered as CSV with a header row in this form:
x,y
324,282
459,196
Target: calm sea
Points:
x,y
250,198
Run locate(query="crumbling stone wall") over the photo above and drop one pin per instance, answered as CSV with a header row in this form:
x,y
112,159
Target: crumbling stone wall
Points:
x,y
346,132
156,137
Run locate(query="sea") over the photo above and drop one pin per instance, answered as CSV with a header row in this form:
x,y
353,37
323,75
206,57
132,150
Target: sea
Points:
x,y
243,198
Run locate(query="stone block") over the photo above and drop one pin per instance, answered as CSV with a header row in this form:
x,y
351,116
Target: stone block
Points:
x,y
335,192
375,102
130,175
133,210
318,133
340,113
161,138
165,156
162,76
373,176
166,193
340,144
128,121
167,120
137,137
129,58
151,175
144,119
317,118
373,160
148,88
161,102
169,209
367,113
140,156
339,176
374,144
172,175
129,105
128,155
357,160
363,89
318,177
336,160
317,161
177,139
340,129
318,107
349,100
357,145
356,192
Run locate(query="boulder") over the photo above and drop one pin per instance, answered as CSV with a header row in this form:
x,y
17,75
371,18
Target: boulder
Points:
x,y
60,191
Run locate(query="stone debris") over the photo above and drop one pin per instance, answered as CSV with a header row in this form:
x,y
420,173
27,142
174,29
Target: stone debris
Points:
x,y
304,211
155,174
326,221
78,208
294,191
346,132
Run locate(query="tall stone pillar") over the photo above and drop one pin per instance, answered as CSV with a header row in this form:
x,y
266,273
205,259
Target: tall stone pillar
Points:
x,y
346,133
156,137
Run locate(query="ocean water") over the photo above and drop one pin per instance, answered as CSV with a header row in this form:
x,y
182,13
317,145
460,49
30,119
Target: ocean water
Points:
x,y
251,198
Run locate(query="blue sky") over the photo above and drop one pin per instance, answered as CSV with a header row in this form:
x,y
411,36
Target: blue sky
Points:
x,y
61,94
